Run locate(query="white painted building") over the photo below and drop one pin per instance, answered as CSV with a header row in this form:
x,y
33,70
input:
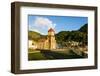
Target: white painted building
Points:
x,y
32,44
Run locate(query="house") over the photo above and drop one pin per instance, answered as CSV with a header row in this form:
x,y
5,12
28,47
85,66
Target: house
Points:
x,y
72,43
32,44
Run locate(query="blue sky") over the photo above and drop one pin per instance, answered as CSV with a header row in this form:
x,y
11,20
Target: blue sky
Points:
x,y
41,23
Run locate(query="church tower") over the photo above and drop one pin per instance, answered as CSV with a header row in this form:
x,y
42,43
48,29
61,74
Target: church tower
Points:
x,y
51,39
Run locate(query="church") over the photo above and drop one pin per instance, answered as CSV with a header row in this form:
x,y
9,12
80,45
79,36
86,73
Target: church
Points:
x,y
48,43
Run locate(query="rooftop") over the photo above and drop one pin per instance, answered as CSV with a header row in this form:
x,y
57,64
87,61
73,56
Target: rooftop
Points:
x,y
51,30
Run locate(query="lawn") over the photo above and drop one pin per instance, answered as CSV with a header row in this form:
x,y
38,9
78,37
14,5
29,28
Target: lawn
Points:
x,y
51,55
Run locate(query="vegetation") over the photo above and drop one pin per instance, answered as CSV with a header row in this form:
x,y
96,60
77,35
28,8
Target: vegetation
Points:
x,y
84,28
62,39
78,36
44,55
36,56
32,35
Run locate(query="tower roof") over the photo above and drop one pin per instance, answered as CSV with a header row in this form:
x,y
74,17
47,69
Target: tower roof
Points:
x,y
51,30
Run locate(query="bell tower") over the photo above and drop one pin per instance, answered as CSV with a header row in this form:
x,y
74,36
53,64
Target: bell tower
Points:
x,y
51,39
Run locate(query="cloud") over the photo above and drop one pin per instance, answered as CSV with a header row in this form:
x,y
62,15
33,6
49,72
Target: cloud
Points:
x,y
37,29
44,22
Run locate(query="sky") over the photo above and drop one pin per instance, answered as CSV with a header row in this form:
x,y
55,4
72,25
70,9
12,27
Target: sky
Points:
x,y
41,23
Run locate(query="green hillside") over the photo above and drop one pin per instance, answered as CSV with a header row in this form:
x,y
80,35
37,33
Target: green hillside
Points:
x,y
78,36
62,37
33,35
84,28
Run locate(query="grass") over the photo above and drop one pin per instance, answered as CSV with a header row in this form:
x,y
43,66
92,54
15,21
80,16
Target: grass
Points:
x,y
36,56
51,55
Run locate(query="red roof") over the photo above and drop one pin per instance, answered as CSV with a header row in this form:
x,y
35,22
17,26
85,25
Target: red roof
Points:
x,y
51,30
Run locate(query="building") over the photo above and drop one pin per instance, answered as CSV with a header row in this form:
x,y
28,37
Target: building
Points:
x,y
49,42
32,44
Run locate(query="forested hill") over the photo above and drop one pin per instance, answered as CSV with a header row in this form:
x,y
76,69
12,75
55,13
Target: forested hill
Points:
x,y
79,35
84,28
32,35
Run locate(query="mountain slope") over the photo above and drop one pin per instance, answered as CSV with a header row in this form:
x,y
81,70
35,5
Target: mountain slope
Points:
x,y
79,35
84,28
32,35
63,36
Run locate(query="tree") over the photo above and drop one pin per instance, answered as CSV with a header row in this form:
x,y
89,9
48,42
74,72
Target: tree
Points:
x,y
78,36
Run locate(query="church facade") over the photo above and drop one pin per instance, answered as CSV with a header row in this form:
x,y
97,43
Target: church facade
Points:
x,y
49,42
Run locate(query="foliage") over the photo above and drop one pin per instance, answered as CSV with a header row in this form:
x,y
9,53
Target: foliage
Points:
x,y
78,36
84,28
63,37
32,35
